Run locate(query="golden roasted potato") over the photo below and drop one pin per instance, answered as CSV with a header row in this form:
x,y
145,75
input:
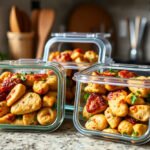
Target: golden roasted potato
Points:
x,y
5,75
30,78
96,122
4,109
113,87
125,127
52,82
40,87
79,60
112,120
91,56
86,114
109,130
46,116
30,119
132,99
141,92
140,112
49,99
18,121
96,103
8,118
139,129
95,88
77,53
30,102
64,56
53,56
116,102
15,94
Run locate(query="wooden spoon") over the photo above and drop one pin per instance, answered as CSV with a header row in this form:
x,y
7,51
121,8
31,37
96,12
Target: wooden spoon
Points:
x,y
45,23
15,20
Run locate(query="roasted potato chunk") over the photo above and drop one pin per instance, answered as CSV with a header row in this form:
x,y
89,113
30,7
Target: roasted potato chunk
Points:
x,y
4,109
91,56
95,88
113,87
8,118
15,94
40,87
109,130
30,119
53,56
46,116
30,102
77,53
125,127
86,114
112,120
132,99
5,75
116,101
96,122
96,103
64,56
18,121
52,82
140,112
139,129
141,92
49,99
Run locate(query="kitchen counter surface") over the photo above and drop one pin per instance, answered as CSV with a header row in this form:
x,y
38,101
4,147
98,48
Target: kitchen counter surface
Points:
x,y
65,138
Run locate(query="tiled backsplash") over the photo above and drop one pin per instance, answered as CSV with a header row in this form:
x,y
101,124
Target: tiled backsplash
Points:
x,y
119,10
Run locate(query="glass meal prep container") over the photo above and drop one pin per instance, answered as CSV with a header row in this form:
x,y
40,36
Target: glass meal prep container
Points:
x,y
112,102
32,94
59,49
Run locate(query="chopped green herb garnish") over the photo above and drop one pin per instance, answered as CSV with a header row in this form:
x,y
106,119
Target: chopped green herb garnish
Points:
x,y
112,71
22,77
133,99
135,134
85,97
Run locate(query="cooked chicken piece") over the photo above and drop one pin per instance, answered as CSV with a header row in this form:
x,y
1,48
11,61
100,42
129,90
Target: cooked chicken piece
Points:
x,y
139,129
49,99
30,119
8,118
86,114
96,103
125,127
109,130
112,120
52,82
117,104
4,109
140,112
95,88
96,122
53,56
30,102
40,87
15,94
139,91
91,56
46,116
132,99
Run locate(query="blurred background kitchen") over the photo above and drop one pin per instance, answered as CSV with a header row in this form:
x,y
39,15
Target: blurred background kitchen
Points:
x,y
126,20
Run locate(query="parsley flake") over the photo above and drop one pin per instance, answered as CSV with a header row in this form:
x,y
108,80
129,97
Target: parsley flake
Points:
x,y
133,99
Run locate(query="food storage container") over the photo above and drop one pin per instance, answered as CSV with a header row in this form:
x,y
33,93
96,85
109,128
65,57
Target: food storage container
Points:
x,y
112,102
59,48
32,94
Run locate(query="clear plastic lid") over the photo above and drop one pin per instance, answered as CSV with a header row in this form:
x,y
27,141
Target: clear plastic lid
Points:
x,y
32,95
118,96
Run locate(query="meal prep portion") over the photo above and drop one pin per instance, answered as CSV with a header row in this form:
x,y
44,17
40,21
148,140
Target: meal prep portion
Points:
x,y
77,56
116,108
28,98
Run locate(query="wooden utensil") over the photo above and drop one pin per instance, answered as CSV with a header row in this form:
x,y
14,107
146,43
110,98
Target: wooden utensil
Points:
x,y
15,20
45,23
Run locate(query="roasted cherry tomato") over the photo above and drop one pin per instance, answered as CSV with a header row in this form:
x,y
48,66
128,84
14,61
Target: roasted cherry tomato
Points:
x,y
126,74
